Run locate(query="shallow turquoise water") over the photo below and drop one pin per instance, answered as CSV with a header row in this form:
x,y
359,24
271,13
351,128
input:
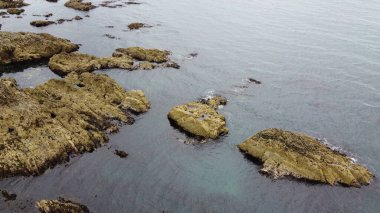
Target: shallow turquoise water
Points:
x,y
319,62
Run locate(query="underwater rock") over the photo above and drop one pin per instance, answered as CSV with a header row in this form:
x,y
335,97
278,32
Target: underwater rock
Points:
x,y
65,63
199,119
135,26
121,154
252,80
8,196
29,47
41,23
5,4
15,11
286,153
41,127
80,5
142,54
61,205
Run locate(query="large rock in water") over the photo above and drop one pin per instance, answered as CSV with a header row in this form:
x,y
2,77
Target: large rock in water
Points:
x,y
80,5
61,205
65,63
4,4
41,127
199,119
285,153
28,47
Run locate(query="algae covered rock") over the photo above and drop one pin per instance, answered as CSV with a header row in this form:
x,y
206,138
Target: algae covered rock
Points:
x,y
142,54
41,127
79,5
15,11
29,47
41,23
286,153
61,205
136,26
65,63
214,101
4,4
199,119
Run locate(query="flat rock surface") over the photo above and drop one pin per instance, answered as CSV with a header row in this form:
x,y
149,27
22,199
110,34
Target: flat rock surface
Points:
x,y
29,47
286,153
61,205
41,127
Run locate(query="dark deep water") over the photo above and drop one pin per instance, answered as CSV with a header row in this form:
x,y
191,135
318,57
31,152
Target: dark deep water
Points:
x,y
319,61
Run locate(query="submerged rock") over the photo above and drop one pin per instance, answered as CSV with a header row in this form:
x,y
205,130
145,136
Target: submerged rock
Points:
x,y
8,196
28,47
5,4
41,23
286,153
79,5
61,205
199,119
15,11
142,54
65,63
41,127
121,154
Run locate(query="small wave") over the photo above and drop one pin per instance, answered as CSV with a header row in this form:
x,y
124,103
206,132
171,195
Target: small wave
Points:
x,y
338,149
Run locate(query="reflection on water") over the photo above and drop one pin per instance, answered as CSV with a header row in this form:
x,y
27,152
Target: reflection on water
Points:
x,y
319,66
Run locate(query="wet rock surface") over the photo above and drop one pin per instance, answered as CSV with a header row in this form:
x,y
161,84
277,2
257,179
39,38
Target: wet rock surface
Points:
x,y
8,196
286,153
121,153
199,119
41,23
41,127
142,54
65,63
5,4
80,5
15,11
29,47
136,26
61,205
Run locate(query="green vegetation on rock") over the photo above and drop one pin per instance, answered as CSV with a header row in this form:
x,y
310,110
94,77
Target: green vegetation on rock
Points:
x,y
286,153
41,127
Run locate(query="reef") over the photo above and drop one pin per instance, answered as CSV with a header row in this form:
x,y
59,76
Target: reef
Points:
x,y
61,205
41,127
15,11
286,153
29,47
41,23
5,4
80,5
199,119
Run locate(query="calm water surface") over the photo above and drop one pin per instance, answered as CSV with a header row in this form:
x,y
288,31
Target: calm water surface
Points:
x,y
319,61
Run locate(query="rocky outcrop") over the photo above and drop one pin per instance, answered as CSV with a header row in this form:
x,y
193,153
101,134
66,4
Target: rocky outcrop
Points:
x,y
142,54
41,127
29,47
79,5
199,119
4,4
136,26
61,205
41,23
15,11
286,153
65,63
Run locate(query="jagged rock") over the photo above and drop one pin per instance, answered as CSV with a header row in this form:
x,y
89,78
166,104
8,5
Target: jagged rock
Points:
x,y
142,54
61,205
15,11
80,5
41,23
41,127
286,153
135,26
5,4
28,47
65,63
199,119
